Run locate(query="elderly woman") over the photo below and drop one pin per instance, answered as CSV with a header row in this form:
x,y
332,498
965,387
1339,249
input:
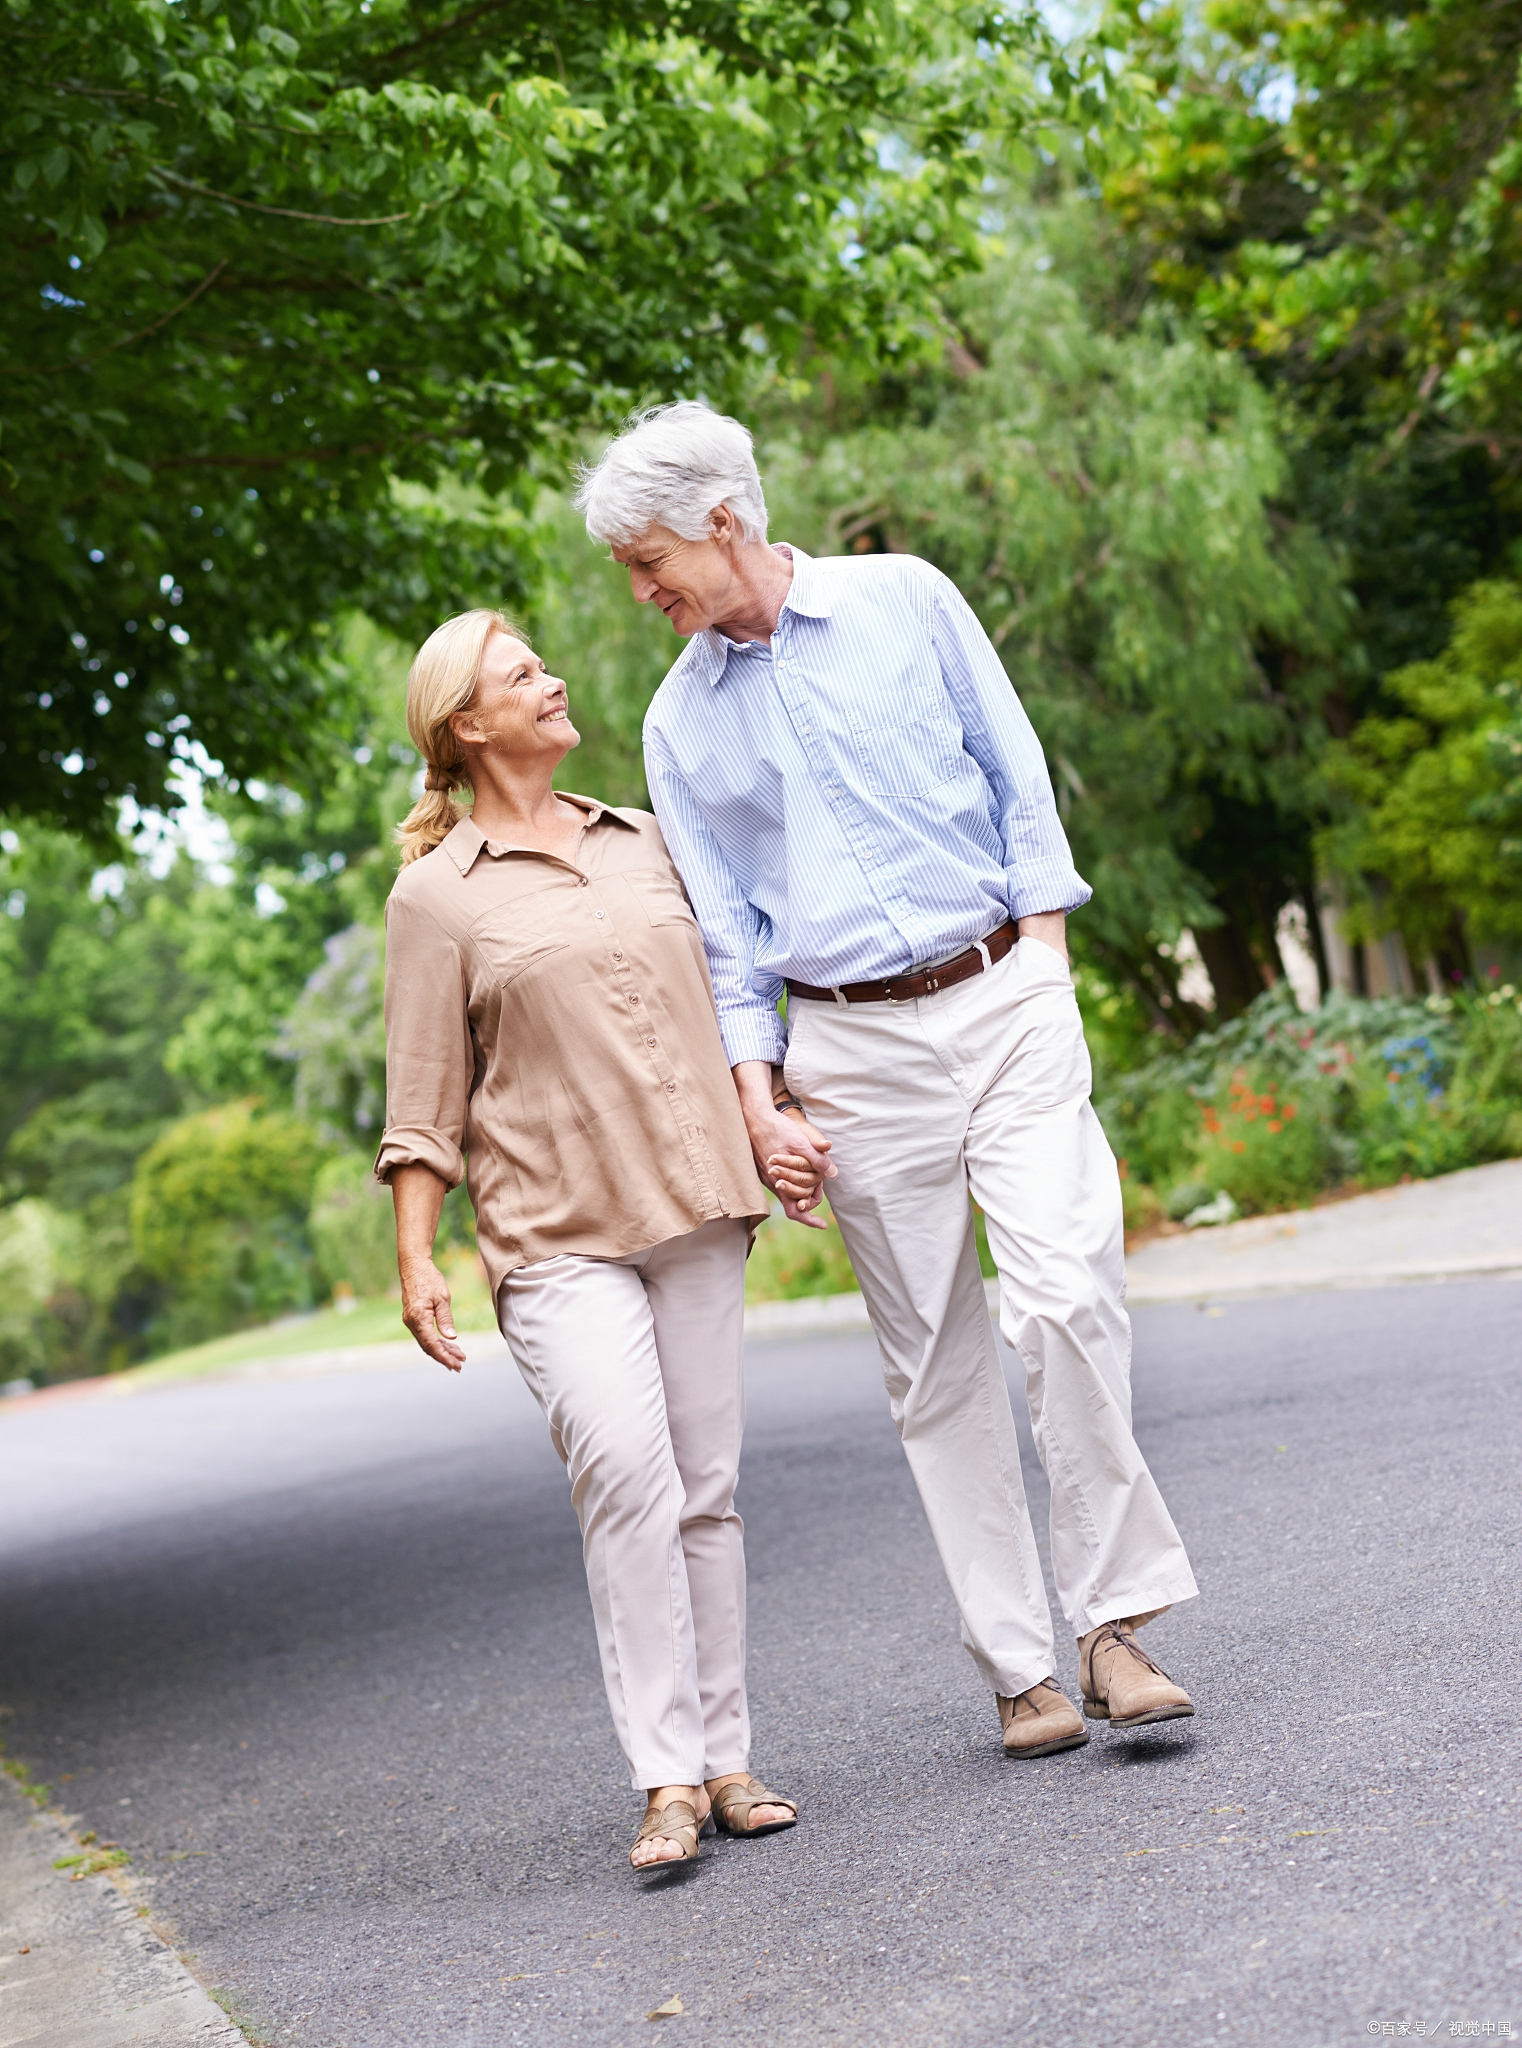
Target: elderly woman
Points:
x,y
548,1013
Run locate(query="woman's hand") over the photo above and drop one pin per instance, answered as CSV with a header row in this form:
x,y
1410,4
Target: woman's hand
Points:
x,y
419,1194
791,1156
427,1314
795,1176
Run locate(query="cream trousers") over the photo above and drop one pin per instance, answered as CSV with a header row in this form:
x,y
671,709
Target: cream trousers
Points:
x,y
636,1363
984,1088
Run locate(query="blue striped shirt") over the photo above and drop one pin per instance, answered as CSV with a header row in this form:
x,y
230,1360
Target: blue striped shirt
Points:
x,y
863,797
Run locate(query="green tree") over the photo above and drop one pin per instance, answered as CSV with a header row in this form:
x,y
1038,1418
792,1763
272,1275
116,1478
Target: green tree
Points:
x,y
336,1036
92,985
1331,188
302,868
134,993
610,652
277,265
1106,497
1433,847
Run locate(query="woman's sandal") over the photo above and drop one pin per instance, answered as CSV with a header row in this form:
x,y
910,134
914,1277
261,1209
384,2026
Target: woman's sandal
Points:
x,y
733,1803
674,1823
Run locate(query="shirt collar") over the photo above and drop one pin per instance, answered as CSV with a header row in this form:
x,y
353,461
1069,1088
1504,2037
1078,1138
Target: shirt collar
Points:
x,y
466,840
711,649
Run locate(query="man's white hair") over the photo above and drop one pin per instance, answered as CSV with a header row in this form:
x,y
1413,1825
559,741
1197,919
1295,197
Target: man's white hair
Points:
x,y
673,466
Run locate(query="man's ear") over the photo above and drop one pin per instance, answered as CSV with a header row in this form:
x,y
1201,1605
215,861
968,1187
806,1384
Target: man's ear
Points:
x,y
722,526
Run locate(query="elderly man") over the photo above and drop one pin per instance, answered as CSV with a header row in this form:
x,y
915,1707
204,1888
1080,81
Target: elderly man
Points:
x,y
862,816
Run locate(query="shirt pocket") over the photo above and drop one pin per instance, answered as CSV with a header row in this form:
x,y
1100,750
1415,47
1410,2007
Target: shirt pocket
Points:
x,y
508,949
910,756
903,731
660,896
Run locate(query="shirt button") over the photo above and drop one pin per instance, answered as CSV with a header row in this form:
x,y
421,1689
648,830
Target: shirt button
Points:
x,y
582,882
599,913
618,956
634,999
671,1087
649,1041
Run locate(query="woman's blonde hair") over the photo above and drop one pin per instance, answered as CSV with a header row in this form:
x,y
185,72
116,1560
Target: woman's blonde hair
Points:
x,y
443,681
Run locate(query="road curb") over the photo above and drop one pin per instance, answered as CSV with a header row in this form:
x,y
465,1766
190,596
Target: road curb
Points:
x,y
79,1965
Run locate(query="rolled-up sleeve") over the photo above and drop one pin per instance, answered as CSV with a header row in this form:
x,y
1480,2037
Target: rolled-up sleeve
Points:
x,y
429,1057
744,997
1001,739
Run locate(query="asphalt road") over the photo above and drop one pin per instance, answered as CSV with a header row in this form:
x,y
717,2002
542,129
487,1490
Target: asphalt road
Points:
x,y
318,1654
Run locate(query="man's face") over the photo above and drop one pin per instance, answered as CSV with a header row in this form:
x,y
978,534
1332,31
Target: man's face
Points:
x,y
691,581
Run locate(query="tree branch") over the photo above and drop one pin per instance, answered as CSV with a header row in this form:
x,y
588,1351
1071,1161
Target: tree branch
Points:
x,y
329,220
82,362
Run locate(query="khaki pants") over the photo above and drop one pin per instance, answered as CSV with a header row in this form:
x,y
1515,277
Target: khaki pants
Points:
x,y
984,1087
636,1363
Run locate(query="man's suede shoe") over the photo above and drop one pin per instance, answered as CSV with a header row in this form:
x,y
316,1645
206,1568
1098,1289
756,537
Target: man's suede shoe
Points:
x,y
1120,1682
1038,1722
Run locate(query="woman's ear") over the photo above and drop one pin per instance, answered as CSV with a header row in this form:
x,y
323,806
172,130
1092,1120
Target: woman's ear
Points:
x,y
465,729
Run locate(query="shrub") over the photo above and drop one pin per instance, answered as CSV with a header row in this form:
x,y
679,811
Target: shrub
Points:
x,y
353,1226
1256,1144
790,1261
219,1214
1279,1105
1485,1092
1139,1204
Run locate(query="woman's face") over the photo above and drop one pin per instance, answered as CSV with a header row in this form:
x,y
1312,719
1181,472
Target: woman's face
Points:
x,y
519,709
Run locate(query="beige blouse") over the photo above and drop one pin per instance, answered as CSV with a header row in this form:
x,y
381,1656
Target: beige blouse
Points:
x,y
554,1019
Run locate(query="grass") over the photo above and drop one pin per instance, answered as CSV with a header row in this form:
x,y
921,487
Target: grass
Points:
x,y
376,1321
92,1862
29,1787
237,2010
788,1262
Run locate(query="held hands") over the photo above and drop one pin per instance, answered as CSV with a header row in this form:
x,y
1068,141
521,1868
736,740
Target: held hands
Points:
x,y
791,1156
798,1176
427,1314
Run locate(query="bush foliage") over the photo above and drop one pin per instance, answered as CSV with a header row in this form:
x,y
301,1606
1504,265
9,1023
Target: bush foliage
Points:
x,y
352,1227
1279,1106
219,1219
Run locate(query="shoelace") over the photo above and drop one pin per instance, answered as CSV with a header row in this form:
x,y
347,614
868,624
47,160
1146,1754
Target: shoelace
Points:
x,y
1113,1633
1024,1699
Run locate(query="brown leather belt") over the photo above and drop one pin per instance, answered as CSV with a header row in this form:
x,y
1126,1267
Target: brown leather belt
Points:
x,y
907,988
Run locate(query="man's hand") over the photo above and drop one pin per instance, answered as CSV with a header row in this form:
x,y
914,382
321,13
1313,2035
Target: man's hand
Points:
x,y
1050,927
419,1194
791,1156
427,1314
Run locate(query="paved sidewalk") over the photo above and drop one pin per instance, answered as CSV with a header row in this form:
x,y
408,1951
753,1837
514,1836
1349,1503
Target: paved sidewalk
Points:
x,y
1464,1226
78,1966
